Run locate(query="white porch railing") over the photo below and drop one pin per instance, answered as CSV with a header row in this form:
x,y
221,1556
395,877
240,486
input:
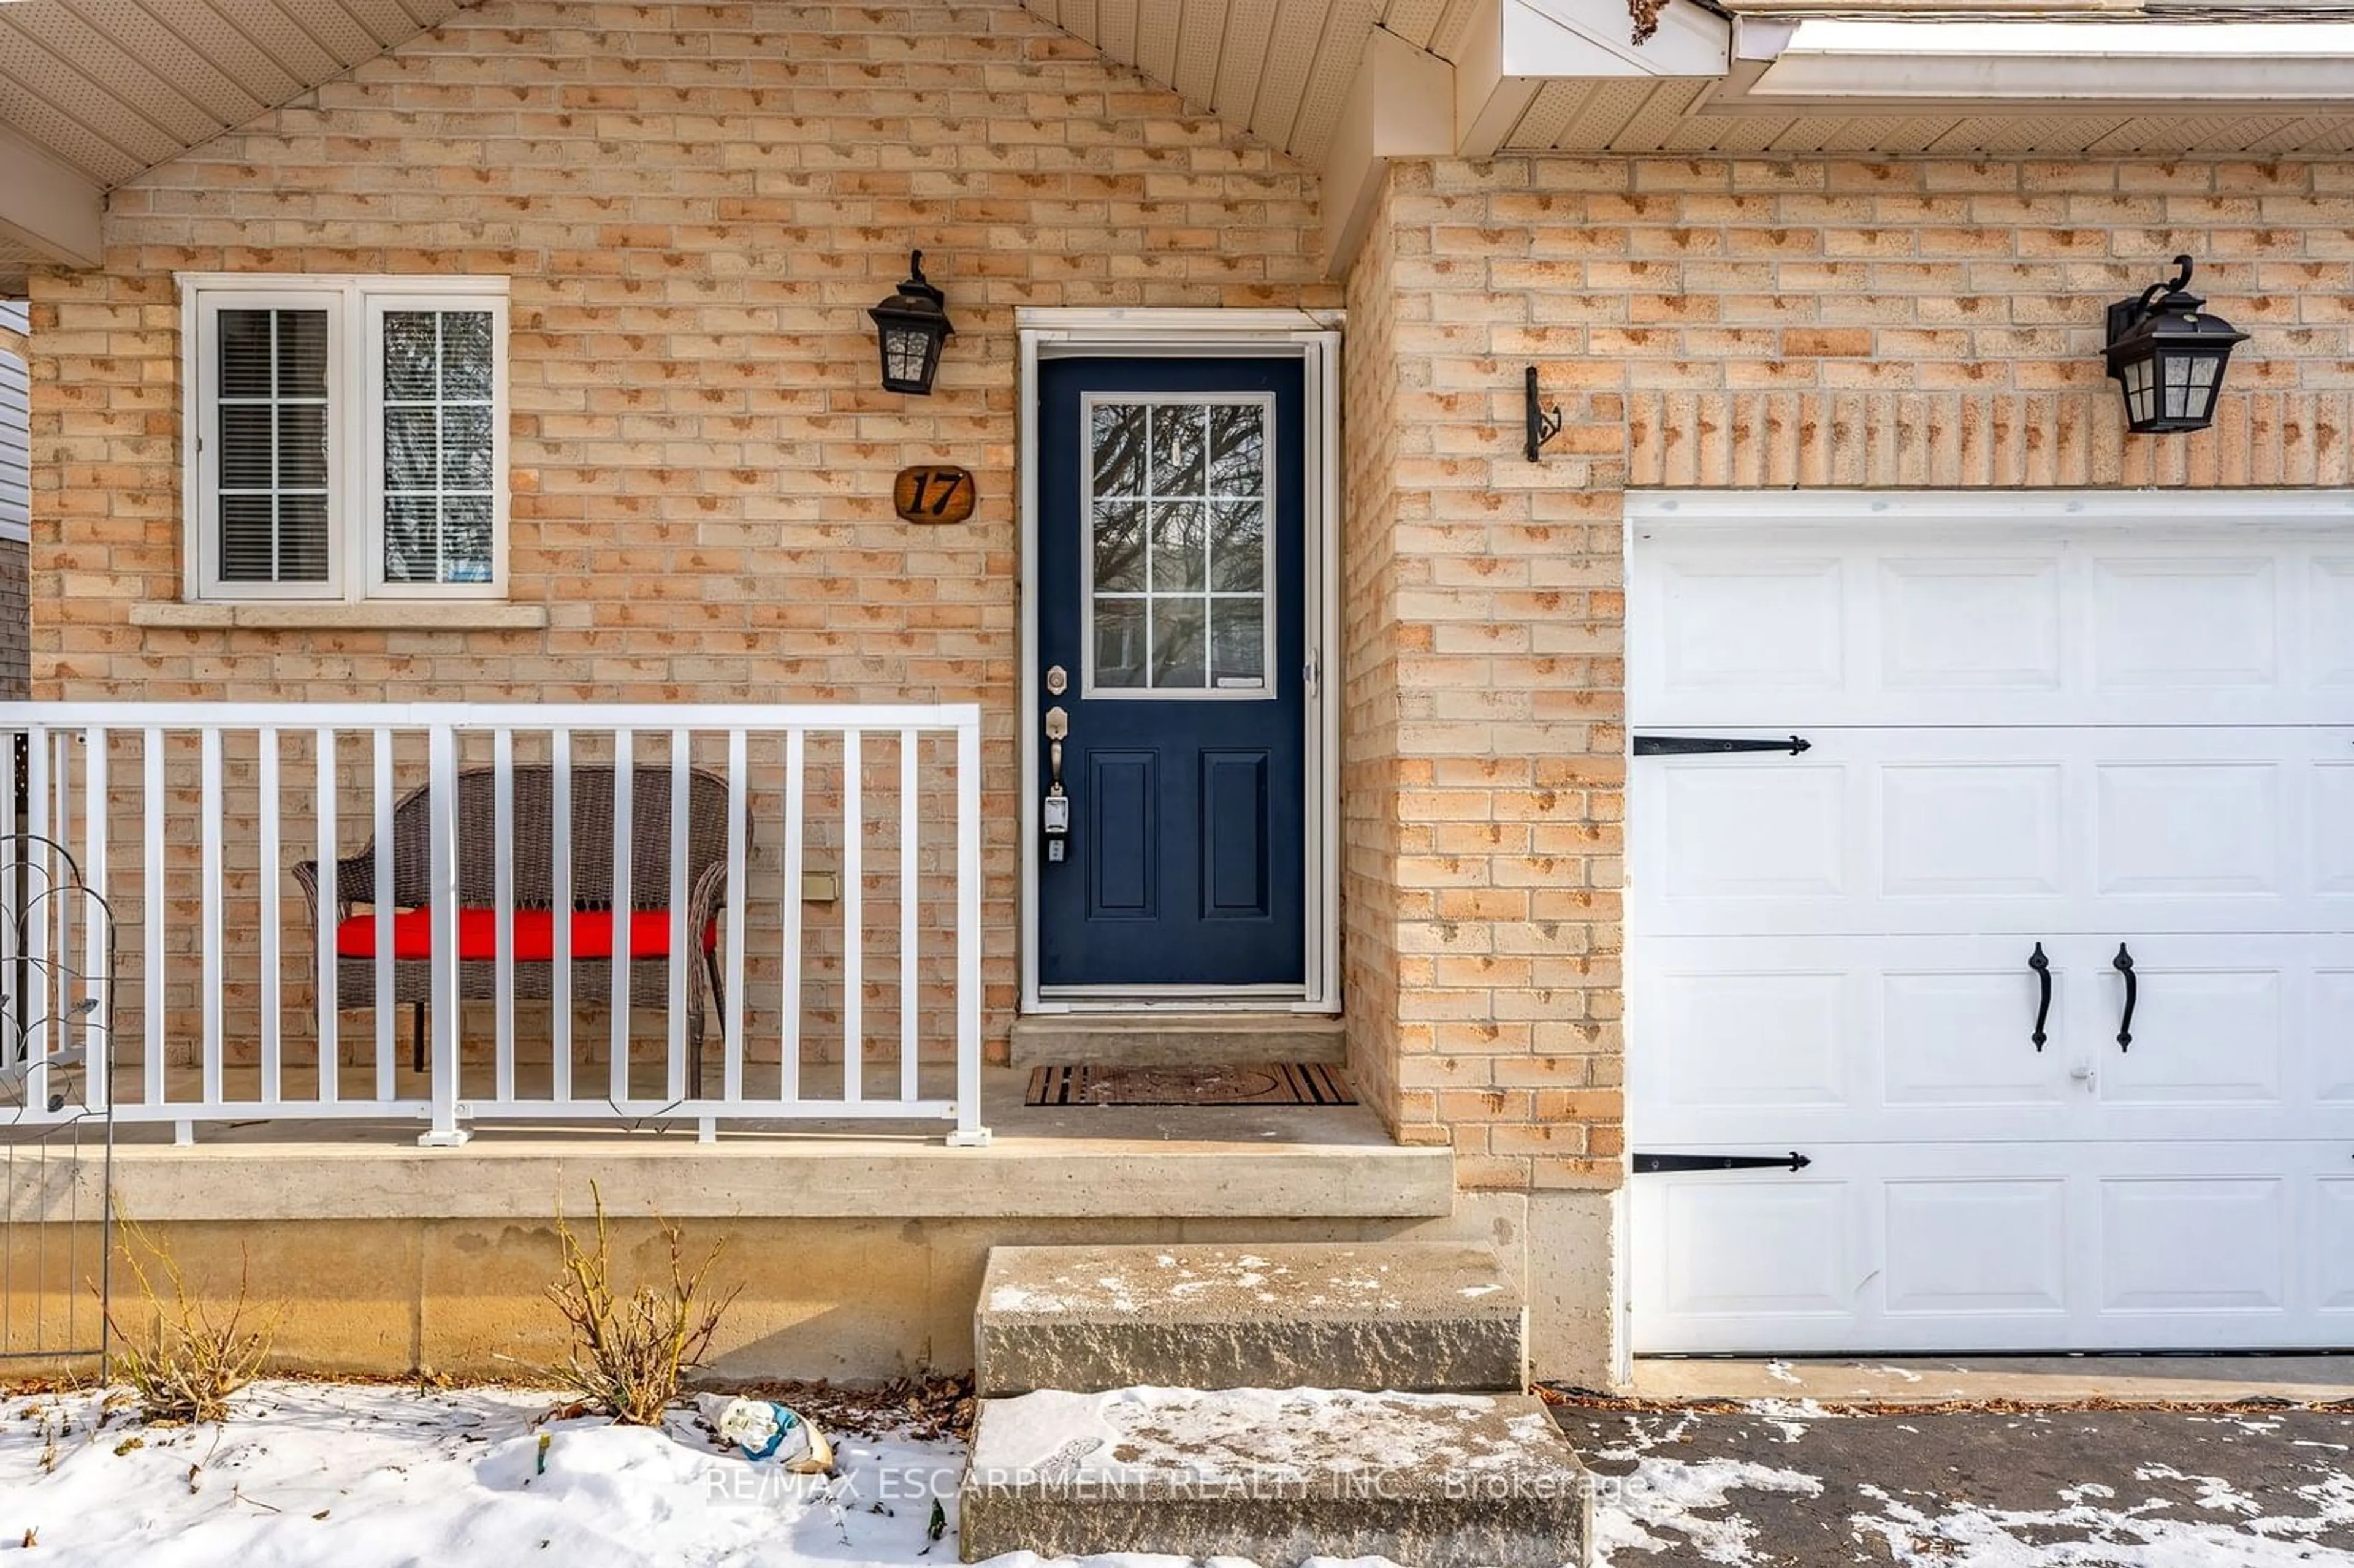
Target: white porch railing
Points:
x,y
186,821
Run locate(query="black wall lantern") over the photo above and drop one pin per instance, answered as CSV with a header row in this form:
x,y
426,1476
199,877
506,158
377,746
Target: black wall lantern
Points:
x,y
912,324
2169,356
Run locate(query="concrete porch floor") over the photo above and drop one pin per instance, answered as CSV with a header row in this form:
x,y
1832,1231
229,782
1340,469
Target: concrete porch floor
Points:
x,y
859,1246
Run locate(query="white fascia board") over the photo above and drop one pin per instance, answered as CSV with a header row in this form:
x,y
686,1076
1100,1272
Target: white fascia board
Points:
x,y
1597,38
1401,104
1513,48
47,206
1935,510
2085,62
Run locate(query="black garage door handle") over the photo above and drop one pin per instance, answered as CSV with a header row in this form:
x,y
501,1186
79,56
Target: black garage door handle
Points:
x,y
2123,963
2042,968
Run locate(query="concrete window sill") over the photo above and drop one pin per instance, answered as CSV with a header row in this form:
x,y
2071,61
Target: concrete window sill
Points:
x,y
407,615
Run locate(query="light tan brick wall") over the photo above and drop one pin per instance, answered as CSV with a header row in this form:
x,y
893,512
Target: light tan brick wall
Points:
x,y
1373,769
695,206
1736,325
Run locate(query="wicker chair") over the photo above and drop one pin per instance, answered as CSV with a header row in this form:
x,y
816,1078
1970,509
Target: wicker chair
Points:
x,y
590,842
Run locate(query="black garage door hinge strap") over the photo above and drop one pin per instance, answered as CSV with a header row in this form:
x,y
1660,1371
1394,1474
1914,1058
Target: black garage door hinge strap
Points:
x,y
1700,744
1656,1164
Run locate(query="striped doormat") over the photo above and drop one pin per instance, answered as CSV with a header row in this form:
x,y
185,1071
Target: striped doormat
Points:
x,y
1262,1084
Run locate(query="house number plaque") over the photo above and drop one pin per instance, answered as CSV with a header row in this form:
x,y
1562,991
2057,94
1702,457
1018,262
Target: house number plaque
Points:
x,y
933,494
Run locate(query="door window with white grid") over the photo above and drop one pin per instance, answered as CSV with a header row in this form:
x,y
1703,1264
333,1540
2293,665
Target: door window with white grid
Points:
x,y
1177,495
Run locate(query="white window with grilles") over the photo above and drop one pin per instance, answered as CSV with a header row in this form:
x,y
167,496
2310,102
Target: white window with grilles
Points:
x,y
346,438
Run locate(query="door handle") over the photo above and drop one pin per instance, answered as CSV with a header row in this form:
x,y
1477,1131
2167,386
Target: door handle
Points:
x,y
1058,726
2124,964
2042,968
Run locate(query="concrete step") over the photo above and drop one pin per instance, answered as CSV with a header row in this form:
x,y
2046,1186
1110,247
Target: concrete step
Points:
x,y
1425,1480
1413,1316
1175,1039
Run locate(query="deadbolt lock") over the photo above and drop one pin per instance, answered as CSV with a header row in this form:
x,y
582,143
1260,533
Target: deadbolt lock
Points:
x,y
1058,681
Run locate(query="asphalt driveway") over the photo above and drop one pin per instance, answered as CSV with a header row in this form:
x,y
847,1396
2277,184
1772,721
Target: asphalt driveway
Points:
x,y
1789,1482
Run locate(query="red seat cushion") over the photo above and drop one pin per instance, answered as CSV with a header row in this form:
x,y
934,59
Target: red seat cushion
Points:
x,y
534,935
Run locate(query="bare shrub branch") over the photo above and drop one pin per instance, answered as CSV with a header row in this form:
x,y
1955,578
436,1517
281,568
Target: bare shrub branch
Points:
x,y
193,1356
630,1353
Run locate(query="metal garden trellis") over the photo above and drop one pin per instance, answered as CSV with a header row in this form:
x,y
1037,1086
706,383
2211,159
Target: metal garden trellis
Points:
x,y
57,1170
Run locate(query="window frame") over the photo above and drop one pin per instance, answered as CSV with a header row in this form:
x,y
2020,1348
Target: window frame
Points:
x,y
355,304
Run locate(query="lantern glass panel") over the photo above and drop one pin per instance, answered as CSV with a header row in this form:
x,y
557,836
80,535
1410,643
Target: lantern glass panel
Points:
x,y
2178,384
907,357
2137,390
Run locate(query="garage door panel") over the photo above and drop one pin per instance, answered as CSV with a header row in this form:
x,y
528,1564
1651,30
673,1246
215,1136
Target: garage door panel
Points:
x,y
2178,1245
1744,1040
1806,1040
1976,1247
2331,1058
1970,625
2176,622
2330,842
1955,1038
2200,1036
2329,620
2037,831
1980,829
2332,1258
1717,850
2186,830
1773,623
1801,1039
1926,1248
1865,626
2234,1038
1766,1250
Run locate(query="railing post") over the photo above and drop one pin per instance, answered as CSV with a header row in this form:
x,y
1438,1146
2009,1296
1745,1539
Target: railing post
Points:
x,y
151,914
98,960
442,763
968,1133
40,882
212,894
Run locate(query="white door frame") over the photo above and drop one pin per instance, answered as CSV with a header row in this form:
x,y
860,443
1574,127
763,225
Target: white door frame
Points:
x,y
1313,338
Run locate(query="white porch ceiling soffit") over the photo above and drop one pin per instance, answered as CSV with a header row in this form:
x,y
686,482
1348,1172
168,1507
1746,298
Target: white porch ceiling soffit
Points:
x,y
93,92
1348,85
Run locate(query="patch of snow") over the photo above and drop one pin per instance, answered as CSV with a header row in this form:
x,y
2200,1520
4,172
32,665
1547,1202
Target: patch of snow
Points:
x,y
1790,1417
361,1477
1662,1506
1780,1372
2215,1493
308,1474
1015,1299
2142,1535
1471,1290
1129,1435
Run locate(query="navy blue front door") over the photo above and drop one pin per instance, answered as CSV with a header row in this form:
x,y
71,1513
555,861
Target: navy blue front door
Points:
x,y
1172,581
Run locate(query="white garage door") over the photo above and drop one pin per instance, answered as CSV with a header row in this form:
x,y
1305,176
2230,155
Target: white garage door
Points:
x,y
2072,733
